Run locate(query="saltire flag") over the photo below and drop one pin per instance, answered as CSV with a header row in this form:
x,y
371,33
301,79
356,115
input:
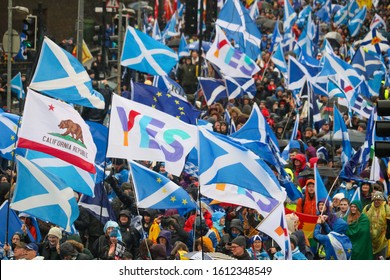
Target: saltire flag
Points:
x,y
60,75
229,193
14,224
276,38
170,29
228,119
353,8
289,16
238,87
8,129
355,196
375,41
294,134
56,128
167,102
140,132
183,50
278,59
356,23
362,106
367,62
320,191
235,20
288,42
86,53
17,86
156,33
305,42
155,191
303,15
221,159
275,226
43,195
165,83
297,74
351,169
334,90
315,118
98,206
100,135
191,166
327,48
325,13
231,61
378,22
341,16
143,53
340,131
254,10
74,177
369,140
213,89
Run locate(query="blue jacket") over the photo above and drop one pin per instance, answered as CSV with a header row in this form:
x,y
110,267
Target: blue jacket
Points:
x,y
297,255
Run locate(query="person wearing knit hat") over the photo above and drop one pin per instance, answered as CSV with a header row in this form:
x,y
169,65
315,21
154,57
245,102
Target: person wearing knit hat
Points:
x,y
336,201
359,232
104,247
296,254
256,250
238,248
50,248
378,212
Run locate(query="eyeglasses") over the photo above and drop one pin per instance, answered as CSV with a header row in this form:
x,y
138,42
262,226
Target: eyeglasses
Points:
x,y
234,247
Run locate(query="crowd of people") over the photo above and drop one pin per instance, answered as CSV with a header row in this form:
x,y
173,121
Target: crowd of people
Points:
x,y
357,229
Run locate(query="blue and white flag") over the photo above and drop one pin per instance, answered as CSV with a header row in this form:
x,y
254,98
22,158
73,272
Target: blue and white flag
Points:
x,y
156,33
353,8
221,159
228,119
155,191
191,166
254,10
362,106
78,179
340,131
378,23
213,89
303,15
356,23
235,20
367,62
143,53
294,133
238,87
99,205
99,135
43,195
170,29
278,59
167,84
276,38
375,41
325,12
183,49
17,86
297,74
320,191
8,129
60,75
334,90
289,16
368,141
14,224
341,16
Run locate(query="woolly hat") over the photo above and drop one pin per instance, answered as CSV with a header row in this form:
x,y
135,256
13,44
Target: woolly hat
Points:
x,y
217,215
236,223
55,231
256,237
338,196
110,224
240,241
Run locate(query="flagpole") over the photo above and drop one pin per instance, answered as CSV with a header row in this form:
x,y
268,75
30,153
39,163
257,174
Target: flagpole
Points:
x,y
330,190
269,214
200,24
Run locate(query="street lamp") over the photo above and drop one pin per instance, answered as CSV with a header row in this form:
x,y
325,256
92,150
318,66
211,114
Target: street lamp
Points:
x,y
9,51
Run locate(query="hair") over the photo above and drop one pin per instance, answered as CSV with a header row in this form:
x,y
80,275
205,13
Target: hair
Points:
x,y
178,246
353,218
291,219
345,199
144,248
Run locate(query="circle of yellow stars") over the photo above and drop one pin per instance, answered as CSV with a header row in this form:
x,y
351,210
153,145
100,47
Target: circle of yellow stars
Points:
x,y
175,101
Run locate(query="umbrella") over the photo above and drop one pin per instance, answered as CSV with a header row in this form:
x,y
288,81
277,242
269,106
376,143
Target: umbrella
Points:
x,y
195,45
356,138
173,42
333,36
323,170
265,24
197,255
141,4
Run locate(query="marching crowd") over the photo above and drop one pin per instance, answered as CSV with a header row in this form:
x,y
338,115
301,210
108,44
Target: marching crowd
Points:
x,y
356,229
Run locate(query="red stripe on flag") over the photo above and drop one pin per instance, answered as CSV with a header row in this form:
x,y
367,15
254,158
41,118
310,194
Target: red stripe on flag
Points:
x,y
72,159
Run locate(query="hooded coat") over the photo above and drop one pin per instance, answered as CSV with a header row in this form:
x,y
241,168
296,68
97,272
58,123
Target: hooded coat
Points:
x,y
336,244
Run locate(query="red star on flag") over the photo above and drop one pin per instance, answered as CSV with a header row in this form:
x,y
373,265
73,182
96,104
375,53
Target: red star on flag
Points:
x,y
51,107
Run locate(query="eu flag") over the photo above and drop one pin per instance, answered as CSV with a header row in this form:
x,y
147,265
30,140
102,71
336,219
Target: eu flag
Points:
x,y
170,103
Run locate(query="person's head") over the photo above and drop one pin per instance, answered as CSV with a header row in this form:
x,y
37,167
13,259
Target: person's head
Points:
x,y
344,205
146,217
308,132
321,206
236,227
124,217
336,199
310,186
293,242
257,242
377,198
54,236
115,235
325,127
238,246
31,251
110,226
366,188
292,221
355,207
67,251
118,164
17,237
20,251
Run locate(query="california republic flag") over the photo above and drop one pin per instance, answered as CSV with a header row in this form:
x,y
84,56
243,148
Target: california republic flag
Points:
x,y
56,128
